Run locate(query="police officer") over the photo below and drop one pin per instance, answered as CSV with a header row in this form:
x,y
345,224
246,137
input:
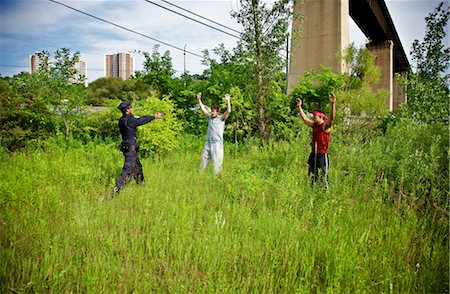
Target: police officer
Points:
x,y
127,125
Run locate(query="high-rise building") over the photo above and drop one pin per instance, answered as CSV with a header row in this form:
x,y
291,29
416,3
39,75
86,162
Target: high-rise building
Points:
x,y
119,65
81,68
35,60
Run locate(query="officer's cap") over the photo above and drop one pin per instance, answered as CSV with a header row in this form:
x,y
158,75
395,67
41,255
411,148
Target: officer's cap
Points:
x,y
124,105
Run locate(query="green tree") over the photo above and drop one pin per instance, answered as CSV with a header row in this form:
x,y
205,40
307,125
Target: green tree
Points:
x,y
362,70
427,88
136,89
67,101
281,112
158,71
25,112
353,88
41,104
232,72
64,67
67,94
100,91
315,86
265,32
357,95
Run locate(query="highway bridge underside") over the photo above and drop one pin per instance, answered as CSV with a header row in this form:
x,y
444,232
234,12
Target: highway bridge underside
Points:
x,y
325,33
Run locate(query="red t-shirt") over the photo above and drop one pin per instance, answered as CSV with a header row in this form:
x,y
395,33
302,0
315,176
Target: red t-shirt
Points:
x,y
322,139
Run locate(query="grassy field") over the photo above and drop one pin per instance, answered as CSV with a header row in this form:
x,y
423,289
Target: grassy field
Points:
x,y
259,227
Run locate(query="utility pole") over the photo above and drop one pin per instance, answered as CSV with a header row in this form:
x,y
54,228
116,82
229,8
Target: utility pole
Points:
x,y
184,57
287,64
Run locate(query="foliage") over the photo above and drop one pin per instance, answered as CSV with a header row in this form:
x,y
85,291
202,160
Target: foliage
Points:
x,y
427,88
64,67
241,123
354,91
417,172
357,96
102,90
99,125
362,102
233,73
427,99
158,71
160,135
25,112
265,30
282,114
431,55
315,86
41,104
68,101
362,71
65,88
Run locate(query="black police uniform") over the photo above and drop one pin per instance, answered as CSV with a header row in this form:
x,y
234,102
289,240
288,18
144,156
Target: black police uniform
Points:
x,y
132,166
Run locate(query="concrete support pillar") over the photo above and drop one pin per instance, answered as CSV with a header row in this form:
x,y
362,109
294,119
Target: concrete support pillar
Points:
x,y
385,60
317,39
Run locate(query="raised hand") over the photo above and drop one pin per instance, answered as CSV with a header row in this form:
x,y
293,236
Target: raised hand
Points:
x,y
299,102
332,98
227,97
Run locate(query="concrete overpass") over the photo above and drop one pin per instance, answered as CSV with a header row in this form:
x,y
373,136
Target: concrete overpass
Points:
x,y
325,32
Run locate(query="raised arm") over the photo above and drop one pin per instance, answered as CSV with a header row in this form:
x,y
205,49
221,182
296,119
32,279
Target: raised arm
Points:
x,y
330,120
228,111
202,107
305,119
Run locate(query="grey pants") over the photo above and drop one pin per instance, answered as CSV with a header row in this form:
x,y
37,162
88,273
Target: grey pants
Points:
x,y
214,152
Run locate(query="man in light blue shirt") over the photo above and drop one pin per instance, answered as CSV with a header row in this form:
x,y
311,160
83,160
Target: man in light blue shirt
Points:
x,y
213,148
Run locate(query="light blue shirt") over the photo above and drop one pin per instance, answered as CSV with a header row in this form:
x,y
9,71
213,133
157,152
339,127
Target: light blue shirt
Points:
x,y
216,126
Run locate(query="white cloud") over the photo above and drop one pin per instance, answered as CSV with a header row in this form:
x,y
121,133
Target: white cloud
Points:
x,y
29,26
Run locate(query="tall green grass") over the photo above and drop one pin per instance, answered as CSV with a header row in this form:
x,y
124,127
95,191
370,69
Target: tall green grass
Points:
x,y
259,227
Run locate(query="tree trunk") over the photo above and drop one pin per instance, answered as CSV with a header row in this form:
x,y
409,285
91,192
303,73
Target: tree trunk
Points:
x,y
261,101
66,124
236,133
260,98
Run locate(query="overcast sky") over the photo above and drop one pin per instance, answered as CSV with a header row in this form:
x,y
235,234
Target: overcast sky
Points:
x,y
35,25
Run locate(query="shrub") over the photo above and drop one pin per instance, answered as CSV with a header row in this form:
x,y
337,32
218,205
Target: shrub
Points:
x,y
159,136
414,159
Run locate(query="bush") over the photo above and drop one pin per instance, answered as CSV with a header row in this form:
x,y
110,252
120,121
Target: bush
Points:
x,y
99,126
159,136
413,158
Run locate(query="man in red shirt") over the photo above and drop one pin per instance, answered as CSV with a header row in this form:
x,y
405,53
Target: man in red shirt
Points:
x,y
321,124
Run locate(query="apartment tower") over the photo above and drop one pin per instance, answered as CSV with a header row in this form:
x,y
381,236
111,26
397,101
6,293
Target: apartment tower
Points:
x,y
81,68
119,65
35,60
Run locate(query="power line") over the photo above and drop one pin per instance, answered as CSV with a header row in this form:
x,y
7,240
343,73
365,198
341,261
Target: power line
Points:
x,y
179,7
205,24
125,28
151,2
